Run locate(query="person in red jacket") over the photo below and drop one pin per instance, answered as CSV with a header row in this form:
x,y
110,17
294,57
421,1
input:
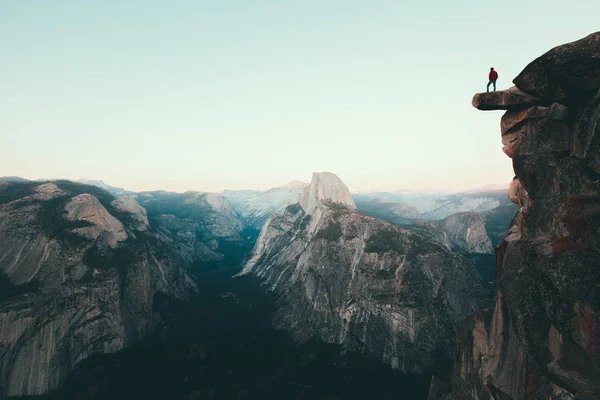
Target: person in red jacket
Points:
x,y
493,78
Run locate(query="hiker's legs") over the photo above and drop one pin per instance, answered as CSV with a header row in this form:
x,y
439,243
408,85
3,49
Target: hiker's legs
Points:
x,y
488,86
494,85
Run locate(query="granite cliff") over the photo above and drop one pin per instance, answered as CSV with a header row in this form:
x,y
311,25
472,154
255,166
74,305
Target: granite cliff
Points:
x,y
541,339
354,280
78,274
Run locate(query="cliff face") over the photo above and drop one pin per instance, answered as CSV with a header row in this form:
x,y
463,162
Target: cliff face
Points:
x,y
78,274
541,340
350,279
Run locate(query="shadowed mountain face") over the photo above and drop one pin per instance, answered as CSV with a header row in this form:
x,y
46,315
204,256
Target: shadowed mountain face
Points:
x,y
221,345
198,226
366,284
541,338
79,272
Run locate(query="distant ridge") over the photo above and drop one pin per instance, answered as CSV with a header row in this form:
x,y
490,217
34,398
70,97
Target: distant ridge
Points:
x,y
13,179
294,183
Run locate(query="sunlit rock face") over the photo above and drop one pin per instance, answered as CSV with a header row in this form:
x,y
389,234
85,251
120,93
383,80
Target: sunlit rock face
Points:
x,y
79,271
355,280
541,340
139,216
325,187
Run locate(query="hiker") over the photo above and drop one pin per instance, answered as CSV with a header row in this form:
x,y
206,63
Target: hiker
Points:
x,y
493,78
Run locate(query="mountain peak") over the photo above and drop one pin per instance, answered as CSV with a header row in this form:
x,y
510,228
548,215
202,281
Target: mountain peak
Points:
x,y
294,183
325,186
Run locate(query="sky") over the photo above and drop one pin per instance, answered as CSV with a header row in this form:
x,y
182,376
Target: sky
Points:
x,y
251,94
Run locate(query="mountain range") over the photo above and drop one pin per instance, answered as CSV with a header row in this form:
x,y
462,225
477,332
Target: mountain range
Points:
x,y
109,253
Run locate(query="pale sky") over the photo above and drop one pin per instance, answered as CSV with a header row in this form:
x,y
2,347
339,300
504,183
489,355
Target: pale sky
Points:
x,y
251,94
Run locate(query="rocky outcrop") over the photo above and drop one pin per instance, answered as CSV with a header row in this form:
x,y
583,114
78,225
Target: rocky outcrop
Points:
x,y
87,208
77,279
565,73
355,280
138,214
510,99
542,340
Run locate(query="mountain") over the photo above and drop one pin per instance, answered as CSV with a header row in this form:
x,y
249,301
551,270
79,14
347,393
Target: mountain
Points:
x,y
541,338
200,227
411,206
13,179
494,207
421,202
492,187
115,191
254,207
463,202
79,272
366,284
394,211
462,232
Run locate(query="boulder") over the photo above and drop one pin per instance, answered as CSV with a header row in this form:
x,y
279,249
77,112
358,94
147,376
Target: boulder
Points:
x,y
536,130
566,72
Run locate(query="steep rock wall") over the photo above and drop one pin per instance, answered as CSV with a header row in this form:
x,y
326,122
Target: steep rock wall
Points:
x,y
543,340
78,277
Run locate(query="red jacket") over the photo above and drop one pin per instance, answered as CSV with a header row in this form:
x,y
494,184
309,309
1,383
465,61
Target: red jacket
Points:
x,y
493,75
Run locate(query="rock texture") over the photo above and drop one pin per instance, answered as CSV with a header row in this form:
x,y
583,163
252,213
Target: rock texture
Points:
x,y
325,187
347,278
87,208
565,73
77,279
543,336
510,99
139,216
